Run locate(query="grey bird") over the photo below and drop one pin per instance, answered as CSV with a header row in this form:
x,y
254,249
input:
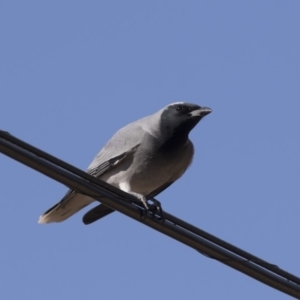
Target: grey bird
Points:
x,y
143,159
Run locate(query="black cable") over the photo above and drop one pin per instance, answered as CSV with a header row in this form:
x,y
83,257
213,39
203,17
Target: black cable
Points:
x,y
180,230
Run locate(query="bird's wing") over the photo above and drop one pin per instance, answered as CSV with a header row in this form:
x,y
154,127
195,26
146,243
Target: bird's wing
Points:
x,y
72,202
123,143
101,210
97,171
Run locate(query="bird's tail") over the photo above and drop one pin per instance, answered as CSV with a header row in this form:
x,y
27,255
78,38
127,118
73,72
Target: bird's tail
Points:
x,y
68,206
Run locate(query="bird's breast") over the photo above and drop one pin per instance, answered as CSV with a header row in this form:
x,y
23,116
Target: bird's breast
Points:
x,y
151,170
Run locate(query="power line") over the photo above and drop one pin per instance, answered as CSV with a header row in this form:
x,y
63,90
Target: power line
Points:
x,y
164,222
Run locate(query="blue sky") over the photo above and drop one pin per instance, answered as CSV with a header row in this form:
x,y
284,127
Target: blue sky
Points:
x,y
73,72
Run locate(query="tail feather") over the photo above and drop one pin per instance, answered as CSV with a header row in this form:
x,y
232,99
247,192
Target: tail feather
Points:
x,y
96,213
68,206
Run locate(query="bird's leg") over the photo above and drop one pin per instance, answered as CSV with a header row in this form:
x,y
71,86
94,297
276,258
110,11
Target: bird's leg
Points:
x,y
155,206
142,198
125,186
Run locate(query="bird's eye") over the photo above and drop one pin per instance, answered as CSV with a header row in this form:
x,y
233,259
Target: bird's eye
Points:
x,y
179,108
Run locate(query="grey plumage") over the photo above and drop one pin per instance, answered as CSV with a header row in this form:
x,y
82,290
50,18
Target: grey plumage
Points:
x,y
142,158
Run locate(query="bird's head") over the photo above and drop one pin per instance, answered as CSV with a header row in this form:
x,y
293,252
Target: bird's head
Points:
x,y
178,119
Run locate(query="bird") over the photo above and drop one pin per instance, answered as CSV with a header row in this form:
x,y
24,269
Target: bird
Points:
x,y
143,158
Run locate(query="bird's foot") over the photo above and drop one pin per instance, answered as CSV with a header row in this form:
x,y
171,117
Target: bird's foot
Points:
x,y
155,207
152,205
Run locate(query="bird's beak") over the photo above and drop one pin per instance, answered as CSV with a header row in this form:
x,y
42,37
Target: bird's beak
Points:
x,y
201,112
